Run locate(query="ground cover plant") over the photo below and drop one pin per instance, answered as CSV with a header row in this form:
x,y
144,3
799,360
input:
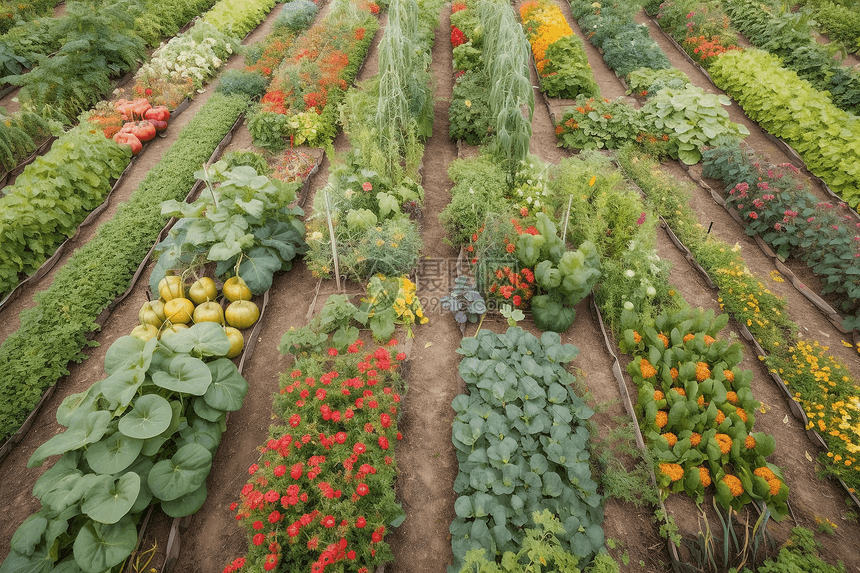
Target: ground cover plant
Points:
x,y
521,443
146,434
839,20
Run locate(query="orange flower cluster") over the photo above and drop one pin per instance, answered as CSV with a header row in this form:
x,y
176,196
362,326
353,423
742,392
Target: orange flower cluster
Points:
x,y
671,438
658,395
674,373
688,337
664,338
702,371
661,419
708,49
725,443
545,24
637,338
680,391
674,471
709,340
730,376
741,414
734,484
704,476
770,478
647,369
732,397
749,442
695,439
721,417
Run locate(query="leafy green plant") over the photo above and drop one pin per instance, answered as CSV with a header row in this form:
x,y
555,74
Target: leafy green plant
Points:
x,y
52,196
247,222
597,124
20,133
567,73
521,442
464,301
170,398
250,84
296,15
469,118
540,547
692,118
54,332
647,81
800,553
238,17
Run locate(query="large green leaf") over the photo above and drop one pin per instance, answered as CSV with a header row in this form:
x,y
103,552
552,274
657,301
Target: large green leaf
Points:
x,y
100,546
64,467
80,404
142,467
188,504
129,352
68,492
120,387
181,474
83,430
185,374
257,268
228,388
113,454
67,565
29,534
205,411
109,499
203,339
200,431
151,416
40,561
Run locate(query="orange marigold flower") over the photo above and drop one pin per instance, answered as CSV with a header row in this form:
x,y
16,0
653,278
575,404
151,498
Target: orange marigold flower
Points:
x,y
510,248
664,338
730,376
637,338
775,486
708,340
661,419
674,373
671,438
725,443
559,129
689,337
749,443
674,471
700,401
680,391
741,414
658,395
734,484
702,371
704,476
732,397
720,417
695,439
764,472
647,370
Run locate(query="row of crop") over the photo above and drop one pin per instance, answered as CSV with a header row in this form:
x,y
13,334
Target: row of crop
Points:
x,y
300,105
46,203
839,19
776,204
773,96
170,397
559,54
91,48
55,332
818,381
373,198
322,491
492,80
789,36
13,12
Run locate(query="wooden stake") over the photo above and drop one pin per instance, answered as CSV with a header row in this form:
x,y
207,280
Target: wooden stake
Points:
x,y
566,219
333,241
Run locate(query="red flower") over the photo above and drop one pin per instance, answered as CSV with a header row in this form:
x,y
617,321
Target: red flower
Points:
x,y
332,351
272,495
321,394
350,555
399,436
257,525
313,542
271,562
367,186
259,538
388,460
753,215
385,420
293,529
517,300
296,471
148,92
510,247
234,505
360,522
362,489
279,471
253,469
383,442
329,521
295,420
275,516
359,448
376,536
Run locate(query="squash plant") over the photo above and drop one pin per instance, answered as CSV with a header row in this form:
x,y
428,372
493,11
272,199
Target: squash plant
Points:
x,y
522,446
697,411
247,220
565,277
146,434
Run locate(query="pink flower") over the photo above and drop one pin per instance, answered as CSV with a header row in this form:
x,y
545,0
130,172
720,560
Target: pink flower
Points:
x,y
367,186
641,219
753,215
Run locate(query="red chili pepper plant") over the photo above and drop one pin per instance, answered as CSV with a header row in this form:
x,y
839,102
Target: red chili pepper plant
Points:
x,y
321,493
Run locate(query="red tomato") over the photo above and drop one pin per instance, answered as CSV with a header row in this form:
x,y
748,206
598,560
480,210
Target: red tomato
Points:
x,y
143,130
159,125
159,112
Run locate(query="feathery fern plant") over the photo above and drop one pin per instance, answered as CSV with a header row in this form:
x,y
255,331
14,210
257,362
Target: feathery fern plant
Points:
x,y
20,134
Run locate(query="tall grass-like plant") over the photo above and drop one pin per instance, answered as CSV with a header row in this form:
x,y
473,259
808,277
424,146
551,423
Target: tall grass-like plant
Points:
x,y
506,57
405,100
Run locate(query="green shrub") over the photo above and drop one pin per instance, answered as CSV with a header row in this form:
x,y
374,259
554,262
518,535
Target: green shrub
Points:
x,y
296,15
480,185
249,84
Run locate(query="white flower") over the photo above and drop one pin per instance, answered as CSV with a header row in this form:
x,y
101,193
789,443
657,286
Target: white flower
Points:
x,y
651,291
537,204
628,305
629,273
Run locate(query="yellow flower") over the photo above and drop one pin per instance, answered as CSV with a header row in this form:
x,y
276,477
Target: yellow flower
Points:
x,y
468,103
379,242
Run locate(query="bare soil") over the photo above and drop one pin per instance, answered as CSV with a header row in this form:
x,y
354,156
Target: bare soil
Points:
x,y
426,459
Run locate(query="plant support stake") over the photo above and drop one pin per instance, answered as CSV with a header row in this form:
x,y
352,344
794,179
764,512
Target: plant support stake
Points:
x,y
333,241
566,218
